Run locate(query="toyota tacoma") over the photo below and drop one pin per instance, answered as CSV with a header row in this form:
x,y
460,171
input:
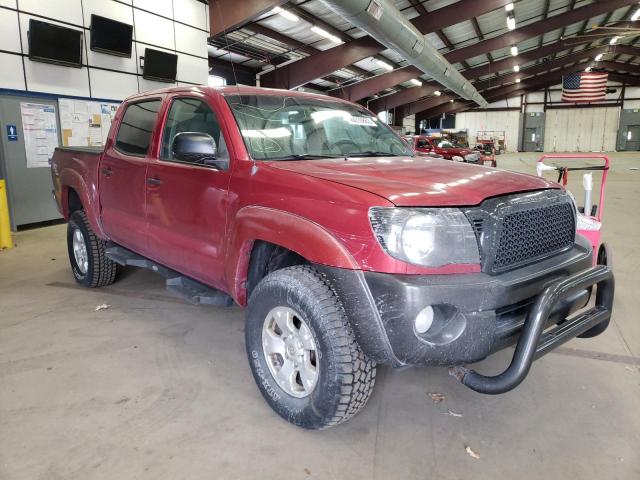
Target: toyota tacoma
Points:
x,y
347,250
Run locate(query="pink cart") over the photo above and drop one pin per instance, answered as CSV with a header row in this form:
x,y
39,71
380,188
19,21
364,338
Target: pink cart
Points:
x,y
589,215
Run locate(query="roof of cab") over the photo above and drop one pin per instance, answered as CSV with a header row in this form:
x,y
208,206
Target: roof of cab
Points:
x,y
232,90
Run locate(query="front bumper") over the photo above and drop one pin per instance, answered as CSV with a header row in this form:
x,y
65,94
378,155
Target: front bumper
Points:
x,y
482,313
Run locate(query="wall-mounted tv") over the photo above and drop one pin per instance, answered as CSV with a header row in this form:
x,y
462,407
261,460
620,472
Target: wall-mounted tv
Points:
x,y
110,36
160,66
54,44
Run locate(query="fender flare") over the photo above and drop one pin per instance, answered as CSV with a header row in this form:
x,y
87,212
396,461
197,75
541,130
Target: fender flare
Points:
x,y
298,234
71,179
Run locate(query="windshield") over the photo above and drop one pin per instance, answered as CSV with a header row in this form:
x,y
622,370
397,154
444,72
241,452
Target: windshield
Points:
x,y
296,127
448,144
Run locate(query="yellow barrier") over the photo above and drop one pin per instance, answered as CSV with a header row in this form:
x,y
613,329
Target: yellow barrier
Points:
x,y
5,229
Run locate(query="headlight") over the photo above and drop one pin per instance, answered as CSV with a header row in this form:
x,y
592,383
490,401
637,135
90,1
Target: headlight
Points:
x,y
430,237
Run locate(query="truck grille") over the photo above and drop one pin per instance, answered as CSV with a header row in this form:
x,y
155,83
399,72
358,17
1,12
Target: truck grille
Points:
x,y
517,230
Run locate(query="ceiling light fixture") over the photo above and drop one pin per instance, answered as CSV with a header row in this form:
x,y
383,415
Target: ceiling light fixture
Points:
x,y
437,93
384,65
514,51
517,80
511,22
285,14
509,7
323,33
516,68
614,40
599,57
636,15
416,82
588,69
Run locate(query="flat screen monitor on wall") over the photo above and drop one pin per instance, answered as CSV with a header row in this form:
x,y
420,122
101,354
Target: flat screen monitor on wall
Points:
x,y
54,44
110,36
160,66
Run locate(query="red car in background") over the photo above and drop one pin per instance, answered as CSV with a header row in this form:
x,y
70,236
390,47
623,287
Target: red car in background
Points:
x,y
445,147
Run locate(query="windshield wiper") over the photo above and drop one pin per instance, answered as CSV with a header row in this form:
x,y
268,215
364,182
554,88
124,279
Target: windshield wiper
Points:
x,y
305,156
371,153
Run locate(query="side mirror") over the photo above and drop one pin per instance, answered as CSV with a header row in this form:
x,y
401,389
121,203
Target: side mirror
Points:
x,y
196,147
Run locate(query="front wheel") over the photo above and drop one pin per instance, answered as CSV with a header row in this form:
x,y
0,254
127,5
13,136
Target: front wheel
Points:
x,y
89,263
302,350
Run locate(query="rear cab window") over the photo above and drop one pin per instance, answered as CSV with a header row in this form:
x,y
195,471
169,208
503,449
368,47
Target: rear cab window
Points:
x,y
136,127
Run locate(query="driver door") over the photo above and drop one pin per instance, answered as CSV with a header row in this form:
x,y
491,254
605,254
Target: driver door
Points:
x,y
187,201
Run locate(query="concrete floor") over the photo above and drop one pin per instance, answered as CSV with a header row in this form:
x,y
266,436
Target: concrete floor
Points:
x,y
155,388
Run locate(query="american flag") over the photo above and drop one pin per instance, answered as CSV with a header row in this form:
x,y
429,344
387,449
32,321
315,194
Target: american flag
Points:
x,y
584,87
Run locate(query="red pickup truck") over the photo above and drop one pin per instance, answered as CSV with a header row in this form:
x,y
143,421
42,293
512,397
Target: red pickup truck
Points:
x,y
447,148
346,248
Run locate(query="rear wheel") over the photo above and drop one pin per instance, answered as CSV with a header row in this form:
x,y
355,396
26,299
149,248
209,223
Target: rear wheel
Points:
x,y
302,351
89,263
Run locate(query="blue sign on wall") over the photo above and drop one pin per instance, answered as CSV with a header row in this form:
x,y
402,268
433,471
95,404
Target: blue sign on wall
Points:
x,y
12,133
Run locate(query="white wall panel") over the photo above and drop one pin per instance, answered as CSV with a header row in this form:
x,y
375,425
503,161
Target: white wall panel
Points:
x,y
154,30
112,85
44,77
159,7
535,97
191,40
9,33
191,12
12,72
535,108
581,129
8,3
146,85
193,69
121,64
109,9
507,121
69,11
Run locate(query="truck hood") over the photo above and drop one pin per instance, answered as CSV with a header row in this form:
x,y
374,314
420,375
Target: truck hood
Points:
x,y
458,151
418,181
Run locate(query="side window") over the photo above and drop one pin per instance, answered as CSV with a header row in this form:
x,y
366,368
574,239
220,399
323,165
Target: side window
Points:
x,y
191,115
134,134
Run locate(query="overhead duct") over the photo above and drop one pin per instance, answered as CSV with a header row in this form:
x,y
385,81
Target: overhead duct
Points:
x,y
384,22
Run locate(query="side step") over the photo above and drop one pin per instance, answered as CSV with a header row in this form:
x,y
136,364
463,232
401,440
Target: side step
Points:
x,y
179,285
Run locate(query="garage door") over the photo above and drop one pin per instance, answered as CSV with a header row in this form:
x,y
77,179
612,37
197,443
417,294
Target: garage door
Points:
x,y
581,129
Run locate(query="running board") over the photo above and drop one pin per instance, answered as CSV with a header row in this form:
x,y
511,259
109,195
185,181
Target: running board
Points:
x,y
190,290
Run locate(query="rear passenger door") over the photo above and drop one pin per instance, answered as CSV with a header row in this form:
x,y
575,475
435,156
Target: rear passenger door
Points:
x,y
123,175
187,201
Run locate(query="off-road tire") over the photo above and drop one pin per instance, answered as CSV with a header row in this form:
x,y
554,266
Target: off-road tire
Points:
x,y
345,376
101,270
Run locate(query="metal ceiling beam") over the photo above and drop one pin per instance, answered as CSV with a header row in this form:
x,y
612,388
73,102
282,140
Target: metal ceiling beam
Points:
x,y
492,96
314,20
381,82
537,28
531,85
227,15
398,99
321,64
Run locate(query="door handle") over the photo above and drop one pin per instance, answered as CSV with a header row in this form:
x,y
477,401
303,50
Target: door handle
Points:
x,y
154,181
107,172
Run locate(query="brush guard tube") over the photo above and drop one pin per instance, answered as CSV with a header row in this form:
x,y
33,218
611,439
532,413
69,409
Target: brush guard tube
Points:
x,y
532,343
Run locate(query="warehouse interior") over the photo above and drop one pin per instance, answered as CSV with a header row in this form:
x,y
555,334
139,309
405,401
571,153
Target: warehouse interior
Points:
x,y
132,381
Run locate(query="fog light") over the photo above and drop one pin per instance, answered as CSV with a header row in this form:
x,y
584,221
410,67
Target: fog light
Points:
x,y
439,324
424,320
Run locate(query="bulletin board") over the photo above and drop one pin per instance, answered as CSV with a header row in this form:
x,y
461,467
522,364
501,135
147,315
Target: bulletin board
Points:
x,y
85,123
40,132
